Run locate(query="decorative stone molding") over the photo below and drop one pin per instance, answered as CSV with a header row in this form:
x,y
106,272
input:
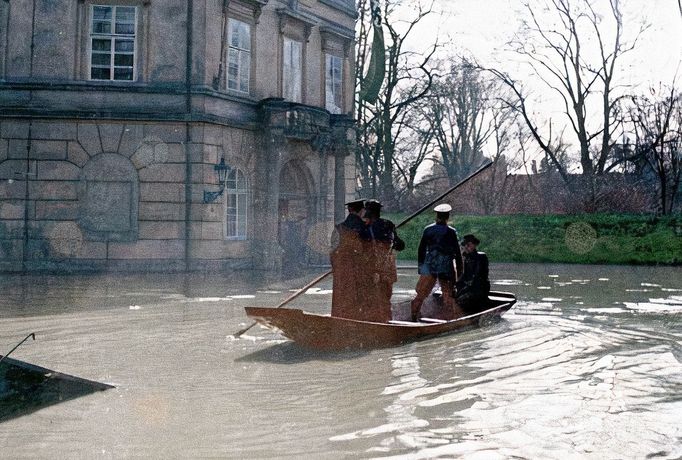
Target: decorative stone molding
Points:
x,y
294,24
108,195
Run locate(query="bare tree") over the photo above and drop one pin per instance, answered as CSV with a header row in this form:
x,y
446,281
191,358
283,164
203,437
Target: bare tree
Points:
x,y
457,111
657,127
408,79
560,46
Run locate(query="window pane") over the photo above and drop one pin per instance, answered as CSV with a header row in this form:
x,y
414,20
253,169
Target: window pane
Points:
x,y
101,12
101,27
239,35
236,204
244,64
123,60
98,73
231,181
101,45
232,68
291,72
245,36
125,14
125,29
125,45
123,74
100,59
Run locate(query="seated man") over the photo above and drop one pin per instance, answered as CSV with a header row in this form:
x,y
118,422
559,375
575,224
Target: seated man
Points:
x,y
473,286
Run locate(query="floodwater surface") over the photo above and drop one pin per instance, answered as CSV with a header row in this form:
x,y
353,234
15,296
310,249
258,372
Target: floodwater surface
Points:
x,y
586,365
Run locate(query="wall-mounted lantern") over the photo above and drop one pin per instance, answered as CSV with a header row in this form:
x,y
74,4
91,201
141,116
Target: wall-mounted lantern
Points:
x,y
221,170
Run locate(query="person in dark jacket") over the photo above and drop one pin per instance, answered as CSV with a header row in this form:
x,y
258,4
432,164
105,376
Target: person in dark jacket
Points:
x,y
438,249
473,287
348,261
381,264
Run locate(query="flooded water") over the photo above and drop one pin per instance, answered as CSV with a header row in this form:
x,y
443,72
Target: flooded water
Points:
x,y
586,365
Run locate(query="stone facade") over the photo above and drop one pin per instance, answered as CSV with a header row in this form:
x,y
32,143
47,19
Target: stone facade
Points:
x,y
112,174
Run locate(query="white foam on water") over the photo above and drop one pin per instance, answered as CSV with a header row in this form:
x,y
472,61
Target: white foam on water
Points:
x,y
603,279
134,307
507,282
544,287
243,296
208,299
553,276
651,307
268,292
638,290
551,299
650,285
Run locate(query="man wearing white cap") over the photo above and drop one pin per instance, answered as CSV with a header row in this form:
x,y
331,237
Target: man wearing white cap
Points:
x,y
438,248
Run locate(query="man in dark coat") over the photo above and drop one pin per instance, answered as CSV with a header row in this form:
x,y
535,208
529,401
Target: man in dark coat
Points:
x,y
473,286
438,249
381,264
348,261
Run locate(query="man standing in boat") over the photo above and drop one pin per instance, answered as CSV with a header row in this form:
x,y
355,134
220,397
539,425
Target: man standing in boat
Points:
x,y
438,248
347,259
381,264
473,286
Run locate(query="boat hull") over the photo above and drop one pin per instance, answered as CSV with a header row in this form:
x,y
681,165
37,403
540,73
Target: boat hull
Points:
x,y
323,332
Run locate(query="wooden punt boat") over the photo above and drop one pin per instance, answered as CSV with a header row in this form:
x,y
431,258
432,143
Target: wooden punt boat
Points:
x,y
324,332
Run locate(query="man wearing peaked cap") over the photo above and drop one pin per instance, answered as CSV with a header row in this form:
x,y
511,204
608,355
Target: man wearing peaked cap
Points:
x,y
347,259
381,265
438,249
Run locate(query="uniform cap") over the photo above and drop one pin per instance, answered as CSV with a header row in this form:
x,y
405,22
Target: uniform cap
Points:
x,y
443,208
359,202
373,204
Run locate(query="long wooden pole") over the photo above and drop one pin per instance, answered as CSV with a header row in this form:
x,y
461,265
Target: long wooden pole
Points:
x,y
403,222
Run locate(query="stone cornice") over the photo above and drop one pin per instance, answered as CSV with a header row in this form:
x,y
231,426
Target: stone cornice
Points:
x,y
341,5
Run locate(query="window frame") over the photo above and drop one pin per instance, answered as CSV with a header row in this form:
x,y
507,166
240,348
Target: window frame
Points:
x,y
336,109
236,192
91,35
240,51
298,96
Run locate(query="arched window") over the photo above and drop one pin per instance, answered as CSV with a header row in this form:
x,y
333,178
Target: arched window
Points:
x,y
236,198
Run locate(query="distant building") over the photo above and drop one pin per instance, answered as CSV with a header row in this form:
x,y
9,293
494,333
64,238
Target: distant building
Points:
x,y
115,113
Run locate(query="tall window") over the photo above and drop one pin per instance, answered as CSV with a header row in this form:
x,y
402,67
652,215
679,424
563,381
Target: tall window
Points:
x,y
333,84
112,42
292,70
238,56
236,195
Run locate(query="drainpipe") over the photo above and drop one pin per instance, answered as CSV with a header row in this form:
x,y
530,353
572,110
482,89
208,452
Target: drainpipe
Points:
x,y
188,133
27,172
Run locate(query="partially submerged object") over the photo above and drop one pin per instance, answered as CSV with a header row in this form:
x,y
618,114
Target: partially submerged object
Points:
x,y
324,332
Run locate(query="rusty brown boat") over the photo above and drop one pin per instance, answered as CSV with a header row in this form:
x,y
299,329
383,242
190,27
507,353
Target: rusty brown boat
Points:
x,y
324,332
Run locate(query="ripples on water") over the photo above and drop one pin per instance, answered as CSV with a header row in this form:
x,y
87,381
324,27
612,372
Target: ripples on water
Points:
x,y
586,365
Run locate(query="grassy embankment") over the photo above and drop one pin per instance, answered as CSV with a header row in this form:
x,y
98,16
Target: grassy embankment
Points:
x,y
583,239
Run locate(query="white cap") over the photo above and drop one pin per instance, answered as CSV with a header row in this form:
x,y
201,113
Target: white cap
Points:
x,y
443,208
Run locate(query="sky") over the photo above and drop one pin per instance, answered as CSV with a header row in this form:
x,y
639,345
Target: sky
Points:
x,y
482,29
